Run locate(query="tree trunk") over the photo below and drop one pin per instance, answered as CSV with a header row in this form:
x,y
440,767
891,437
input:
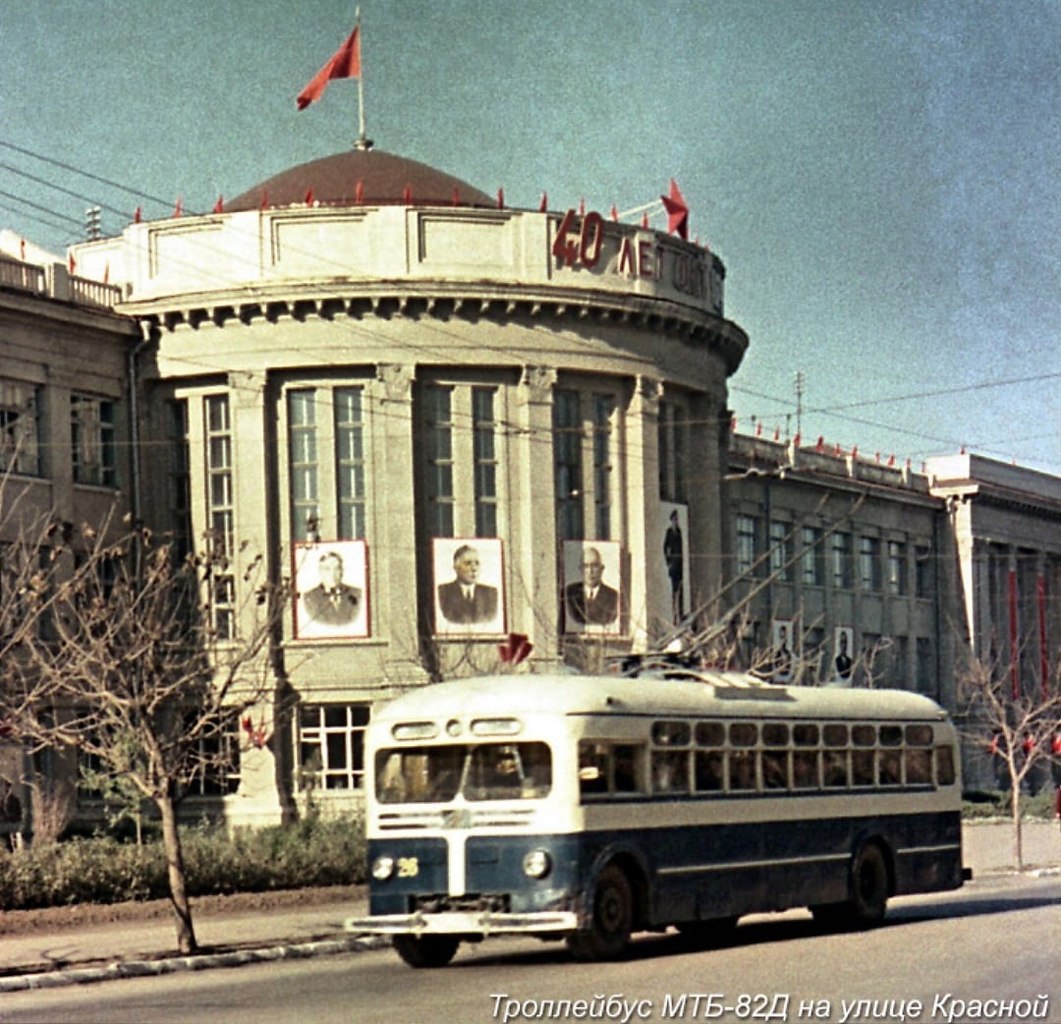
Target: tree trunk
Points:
x,y
1014,802
178,895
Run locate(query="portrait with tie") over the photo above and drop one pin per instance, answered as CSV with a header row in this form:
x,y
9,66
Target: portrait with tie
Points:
x,y
468,601
330,584
591,602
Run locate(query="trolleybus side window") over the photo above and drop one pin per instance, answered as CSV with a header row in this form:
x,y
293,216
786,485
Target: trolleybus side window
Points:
x,y
775,755
806,762
710,770
670,766
918,755
742,737
605,768
835,755
945,773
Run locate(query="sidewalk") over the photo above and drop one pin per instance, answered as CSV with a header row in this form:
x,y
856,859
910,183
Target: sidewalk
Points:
x,y
73,955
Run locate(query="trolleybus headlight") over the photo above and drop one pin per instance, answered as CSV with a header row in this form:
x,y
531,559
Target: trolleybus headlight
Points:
x,y
537,864
382,868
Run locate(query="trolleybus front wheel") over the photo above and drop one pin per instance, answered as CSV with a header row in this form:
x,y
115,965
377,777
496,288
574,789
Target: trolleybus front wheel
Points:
x,y
608,932
426,950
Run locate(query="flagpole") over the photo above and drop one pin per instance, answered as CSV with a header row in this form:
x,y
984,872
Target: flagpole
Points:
x,y
363,141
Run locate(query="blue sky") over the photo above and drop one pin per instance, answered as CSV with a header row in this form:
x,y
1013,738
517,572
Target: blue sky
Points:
x,y
879,176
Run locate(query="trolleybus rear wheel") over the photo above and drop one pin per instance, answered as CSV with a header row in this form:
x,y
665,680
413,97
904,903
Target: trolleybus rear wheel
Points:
x,y
611,922
868,886
426,950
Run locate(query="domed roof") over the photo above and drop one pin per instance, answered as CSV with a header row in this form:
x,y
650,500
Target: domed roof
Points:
x,y
360,176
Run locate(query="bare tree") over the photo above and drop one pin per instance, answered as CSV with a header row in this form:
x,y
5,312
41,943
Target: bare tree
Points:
x,y
108,649
1014,723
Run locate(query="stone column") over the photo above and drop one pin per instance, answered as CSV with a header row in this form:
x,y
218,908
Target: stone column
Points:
x,y
532,555
646,598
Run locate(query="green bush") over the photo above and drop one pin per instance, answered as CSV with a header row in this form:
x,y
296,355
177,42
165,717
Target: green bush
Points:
x,y
982,804
101,869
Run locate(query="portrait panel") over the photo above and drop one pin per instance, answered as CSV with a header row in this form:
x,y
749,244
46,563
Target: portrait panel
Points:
x,y
843,654
331,590
781,646
468,586
592,588
674,561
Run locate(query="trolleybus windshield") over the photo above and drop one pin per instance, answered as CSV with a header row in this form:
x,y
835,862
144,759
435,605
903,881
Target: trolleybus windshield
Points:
x,y
482,771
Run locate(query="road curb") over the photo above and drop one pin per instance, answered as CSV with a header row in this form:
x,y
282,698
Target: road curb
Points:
x,y
199,962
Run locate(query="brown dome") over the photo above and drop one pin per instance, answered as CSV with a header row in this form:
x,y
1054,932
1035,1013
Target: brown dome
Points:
x,y
359,176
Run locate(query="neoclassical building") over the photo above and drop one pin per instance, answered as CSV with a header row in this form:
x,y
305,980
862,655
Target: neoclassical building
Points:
x,y
466,420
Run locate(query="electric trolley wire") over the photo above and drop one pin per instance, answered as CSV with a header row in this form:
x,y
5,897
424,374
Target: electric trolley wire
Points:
x,y
358,327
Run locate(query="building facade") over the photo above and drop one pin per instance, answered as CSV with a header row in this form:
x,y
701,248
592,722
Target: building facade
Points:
x,y
65,428
444,421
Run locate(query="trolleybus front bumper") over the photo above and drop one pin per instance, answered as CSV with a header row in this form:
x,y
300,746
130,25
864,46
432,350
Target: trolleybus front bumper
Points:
x,y
475,922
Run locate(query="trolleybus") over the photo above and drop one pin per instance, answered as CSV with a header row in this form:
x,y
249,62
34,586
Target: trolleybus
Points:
x,y
589,808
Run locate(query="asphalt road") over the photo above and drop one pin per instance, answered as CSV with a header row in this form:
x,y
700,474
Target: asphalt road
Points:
x,y
993,940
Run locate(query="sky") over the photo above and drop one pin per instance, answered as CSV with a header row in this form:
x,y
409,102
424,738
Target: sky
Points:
x,y
880,177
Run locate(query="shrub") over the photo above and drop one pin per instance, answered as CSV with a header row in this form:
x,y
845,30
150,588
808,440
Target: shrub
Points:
x,y
101,869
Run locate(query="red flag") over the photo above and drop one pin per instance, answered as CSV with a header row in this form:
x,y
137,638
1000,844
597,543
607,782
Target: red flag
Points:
x,y
309,197
615,212
677,211
178,209
219,206
359,192
345,64
71,263
544,204
407,195
500,198
137,214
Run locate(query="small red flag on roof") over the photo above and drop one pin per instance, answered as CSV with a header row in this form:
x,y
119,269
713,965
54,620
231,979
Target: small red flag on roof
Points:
x,y
615,212
219,206
500,198
677,211
137,214
359,191
544,204
71,263
309,196
346,63
407,195
178,209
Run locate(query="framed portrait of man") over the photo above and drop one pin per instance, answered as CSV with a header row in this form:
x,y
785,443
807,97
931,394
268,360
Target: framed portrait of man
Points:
x,y
331,590
468,587
781,650
592,588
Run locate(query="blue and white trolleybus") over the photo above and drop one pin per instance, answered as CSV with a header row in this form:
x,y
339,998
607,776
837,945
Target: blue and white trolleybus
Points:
x,y
589,808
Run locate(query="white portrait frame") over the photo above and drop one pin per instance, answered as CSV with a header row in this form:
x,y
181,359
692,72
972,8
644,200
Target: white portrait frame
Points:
x,y
611,554
306,560
450,622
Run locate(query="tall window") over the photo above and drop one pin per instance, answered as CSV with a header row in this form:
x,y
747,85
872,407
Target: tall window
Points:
x,y
896,567
485,453
332,745
180,487
840,561
746,530
673,429
350,462
812,558
603,411
302,453
584,458
567,447
439,414
220,513
780,551
92,440
923,576
869,563
327,496
20,440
